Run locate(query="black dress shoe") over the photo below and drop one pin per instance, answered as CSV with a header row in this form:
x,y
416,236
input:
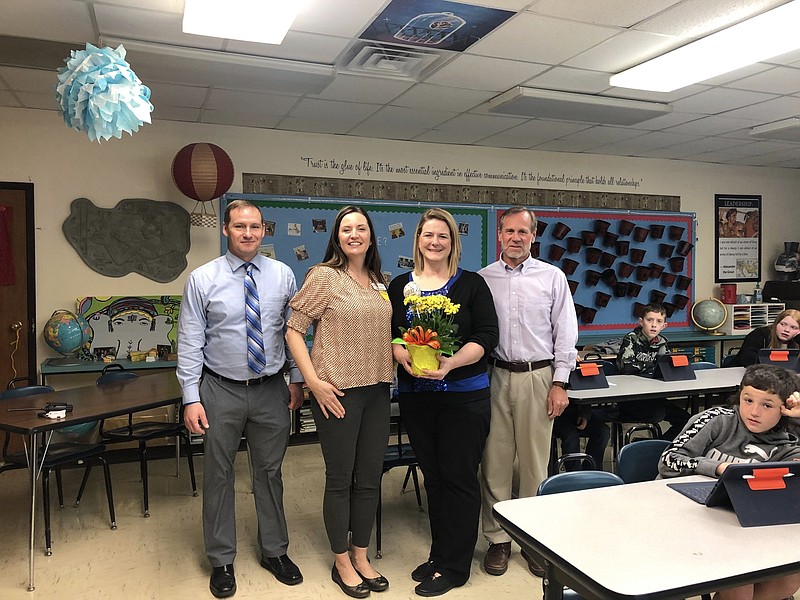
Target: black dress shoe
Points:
x,y
434,586
223,582
376,584
423,571
283,568
354,591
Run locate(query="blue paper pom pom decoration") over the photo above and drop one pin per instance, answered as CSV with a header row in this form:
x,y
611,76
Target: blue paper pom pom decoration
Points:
x,y
98,93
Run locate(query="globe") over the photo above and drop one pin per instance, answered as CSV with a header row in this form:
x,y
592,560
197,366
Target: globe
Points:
x,y
709,315
67,333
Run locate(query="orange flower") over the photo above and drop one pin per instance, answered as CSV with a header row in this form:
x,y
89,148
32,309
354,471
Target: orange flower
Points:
x,y
418,336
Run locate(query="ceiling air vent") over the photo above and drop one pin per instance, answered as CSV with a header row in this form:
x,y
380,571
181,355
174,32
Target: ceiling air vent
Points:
x,y
385,60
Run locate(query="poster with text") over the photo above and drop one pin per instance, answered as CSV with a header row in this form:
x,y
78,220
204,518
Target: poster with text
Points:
x,y
738,235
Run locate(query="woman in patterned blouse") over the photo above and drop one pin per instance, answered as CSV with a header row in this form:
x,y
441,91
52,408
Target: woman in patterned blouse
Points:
x,y
345,299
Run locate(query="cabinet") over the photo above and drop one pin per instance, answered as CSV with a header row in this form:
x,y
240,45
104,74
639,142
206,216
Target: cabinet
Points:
x,y
743,318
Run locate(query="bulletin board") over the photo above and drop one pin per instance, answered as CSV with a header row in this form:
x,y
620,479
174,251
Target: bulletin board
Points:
x,y
616,262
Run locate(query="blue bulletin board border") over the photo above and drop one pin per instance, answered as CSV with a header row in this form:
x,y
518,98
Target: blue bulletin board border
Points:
x,y
654,258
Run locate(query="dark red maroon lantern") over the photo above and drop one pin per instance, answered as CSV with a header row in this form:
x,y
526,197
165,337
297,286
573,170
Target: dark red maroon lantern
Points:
x,y
202,172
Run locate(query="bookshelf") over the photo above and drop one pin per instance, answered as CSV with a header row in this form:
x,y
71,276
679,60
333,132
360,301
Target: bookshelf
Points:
x,y
743,318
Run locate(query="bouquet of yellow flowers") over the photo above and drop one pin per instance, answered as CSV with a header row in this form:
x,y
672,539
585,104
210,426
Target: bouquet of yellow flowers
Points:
x,y
432,330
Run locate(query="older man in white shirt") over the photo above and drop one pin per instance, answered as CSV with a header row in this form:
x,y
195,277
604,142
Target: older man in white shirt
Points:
x,y
530,368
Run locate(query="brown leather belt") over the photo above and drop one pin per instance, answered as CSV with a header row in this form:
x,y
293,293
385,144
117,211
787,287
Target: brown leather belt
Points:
x,y
520,367
247,382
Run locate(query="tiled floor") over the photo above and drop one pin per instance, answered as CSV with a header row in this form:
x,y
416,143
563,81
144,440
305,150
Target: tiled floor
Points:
x,y
162,557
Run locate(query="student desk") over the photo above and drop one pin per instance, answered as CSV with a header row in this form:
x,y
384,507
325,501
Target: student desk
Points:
x,y
698,550
91,403
623,388
48,368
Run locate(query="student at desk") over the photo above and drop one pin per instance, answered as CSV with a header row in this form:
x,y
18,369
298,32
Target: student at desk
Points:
x,y
637,356
752,429
781,334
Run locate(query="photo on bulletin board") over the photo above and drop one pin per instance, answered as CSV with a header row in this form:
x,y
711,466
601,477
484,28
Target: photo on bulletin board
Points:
x,y
301,228
738,237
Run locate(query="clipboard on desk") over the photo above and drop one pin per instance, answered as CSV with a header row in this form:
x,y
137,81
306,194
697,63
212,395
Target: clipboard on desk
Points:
x,y
674,367
788,358
588,375
766,493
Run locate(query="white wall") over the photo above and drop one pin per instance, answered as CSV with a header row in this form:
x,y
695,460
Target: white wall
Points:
x,y
63,165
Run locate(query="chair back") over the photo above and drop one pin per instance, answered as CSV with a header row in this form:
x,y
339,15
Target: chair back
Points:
x,y
731,359
115,373
610,367
398,453
703,364
577,480
638,461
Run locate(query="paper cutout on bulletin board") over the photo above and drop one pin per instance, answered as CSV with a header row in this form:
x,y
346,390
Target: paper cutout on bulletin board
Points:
x,y
136,236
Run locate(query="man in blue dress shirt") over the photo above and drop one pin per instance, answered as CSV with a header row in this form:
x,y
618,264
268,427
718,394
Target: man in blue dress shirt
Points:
x,y
225,399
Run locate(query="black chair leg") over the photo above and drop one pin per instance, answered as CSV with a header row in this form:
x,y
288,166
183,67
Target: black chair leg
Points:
x,y
83,484
143,471
109,492
60,489
416,487
48,542
190,460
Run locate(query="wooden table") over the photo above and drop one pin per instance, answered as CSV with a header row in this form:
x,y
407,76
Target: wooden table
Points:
x,y
51,366
645,541
91,403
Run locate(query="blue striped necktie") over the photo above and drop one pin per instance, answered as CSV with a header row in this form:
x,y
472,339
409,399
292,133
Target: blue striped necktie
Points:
x,y
255,340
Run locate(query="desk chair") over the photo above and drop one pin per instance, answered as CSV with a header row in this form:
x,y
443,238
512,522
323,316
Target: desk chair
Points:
x,y
570,482
639,461
731,359
398,454
142,432
54,457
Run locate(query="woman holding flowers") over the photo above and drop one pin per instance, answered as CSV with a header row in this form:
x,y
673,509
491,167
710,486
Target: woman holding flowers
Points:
x,y
444,404
345,299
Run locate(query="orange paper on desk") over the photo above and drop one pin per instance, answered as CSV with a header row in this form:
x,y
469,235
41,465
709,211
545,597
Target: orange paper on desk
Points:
x,y
779,356
680,360
768,479
588,369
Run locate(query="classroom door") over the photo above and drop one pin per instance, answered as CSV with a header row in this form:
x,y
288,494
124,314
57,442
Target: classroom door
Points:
x,y
17,283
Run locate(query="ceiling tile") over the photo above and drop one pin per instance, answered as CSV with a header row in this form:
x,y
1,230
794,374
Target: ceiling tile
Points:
x,y
333,18
8,99
240,118
544,39
425,95
34,100
397,116
717,100
176,113
313,125
59,20
668,120
250,102
780,80
601,135
726,78
694,18
447,137
623,51
602,12
537,130
177,95
482,73
30,80
386,131
479,125
356,88
305,47
713,125
567,79
354,112
769,111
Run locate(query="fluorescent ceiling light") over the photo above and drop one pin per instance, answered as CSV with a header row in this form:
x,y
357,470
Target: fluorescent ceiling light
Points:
x,y
262,21
568,106
769,34
787,129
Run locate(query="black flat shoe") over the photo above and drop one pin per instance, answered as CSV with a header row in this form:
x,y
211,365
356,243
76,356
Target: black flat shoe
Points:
x,y
354,591
376,584
423,571
434,586
223,582
283,568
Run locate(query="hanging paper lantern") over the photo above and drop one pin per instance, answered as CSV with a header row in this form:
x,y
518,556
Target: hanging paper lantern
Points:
x,y
202,172
99,94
